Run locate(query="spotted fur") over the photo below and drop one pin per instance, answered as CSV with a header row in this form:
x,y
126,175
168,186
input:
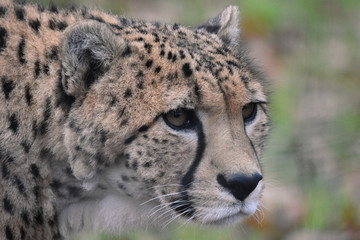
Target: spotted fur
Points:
x,y
83,140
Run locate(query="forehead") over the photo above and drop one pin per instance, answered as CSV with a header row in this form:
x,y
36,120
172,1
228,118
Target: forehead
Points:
x,y
194,61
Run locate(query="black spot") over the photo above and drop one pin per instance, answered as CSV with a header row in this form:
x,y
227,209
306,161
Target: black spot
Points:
x,y
26,146
2,11
130,139
63,100
175,26
13,123
135,165
20,186
113,101
148,47
3,38
96,18
28,95
20,13
127,93
139,39
52,7
25,218
8,233
62,25
68,171
169,56
182,55
46,114
46,69
114,26
52,24
21,53
39,218
140,84
162,53
35,24
147,164
187,70
197,90
55,184
121,186
143,128
127,52
22,233
7,86
124,122
140,74
157,39
5,171
44,153
125,178
155,140
35,128
34,170
157,69
53,54
99,158
174,58
149,63
37,68
8,206
103,136
36,191
74,191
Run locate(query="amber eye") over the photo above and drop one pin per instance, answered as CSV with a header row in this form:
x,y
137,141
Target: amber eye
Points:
x,y
249,112
180,119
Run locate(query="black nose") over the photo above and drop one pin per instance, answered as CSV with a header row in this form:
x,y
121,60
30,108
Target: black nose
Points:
x,y
240,185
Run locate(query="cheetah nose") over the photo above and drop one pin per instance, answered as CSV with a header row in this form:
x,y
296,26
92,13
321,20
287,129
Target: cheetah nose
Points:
x,y
240,185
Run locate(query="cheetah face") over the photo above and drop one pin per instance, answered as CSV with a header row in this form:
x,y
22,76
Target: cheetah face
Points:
x,y
168,116
199,166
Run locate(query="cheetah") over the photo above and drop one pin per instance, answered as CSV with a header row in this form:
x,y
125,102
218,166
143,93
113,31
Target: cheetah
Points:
x,y
110,123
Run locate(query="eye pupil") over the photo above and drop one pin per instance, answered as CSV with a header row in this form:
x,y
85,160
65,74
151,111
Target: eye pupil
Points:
x,y
177,114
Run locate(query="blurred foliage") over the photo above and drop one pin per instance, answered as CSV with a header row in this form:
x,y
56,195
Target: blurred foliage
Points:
x,y
312,57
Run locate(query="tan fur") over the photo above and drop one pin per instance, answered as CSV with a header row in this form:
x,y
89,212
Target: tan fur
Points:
x,y
82,99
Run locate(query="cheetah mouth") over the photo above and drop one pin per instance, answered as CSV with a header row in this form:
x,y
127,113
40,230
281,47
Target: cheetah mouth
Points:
x,y
227,215
227,220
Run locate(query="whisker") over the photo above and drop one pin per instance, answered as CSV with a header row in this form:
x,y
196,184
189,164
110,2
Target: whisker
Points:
x,y
166,213
177,216
165,195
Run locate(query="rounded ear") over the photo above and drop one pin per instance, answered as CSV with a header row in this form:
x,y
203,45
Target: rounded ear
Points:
x,y
225,25
88,49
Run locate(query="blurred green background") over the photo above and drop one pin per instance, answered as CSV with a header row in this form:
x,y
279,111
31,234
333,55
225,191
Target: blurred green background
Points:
x,y
311,54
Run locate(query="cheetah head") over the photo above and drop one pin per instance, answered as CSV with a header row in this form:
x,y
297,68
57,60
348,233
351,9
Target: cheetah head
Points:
x,y
166,116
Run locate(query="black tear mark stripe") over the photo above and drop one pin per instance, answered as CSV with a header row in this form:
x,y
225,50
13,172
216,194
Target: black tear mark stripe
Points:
x,y
186,208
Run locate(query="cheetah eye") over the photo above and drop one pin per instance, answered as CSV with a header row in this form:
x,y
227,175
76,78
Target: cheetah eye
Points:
x,y
180,119
249,112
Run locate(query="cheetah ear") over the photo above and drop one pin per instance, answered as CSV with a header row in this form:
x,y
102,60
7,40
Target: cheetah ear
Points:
x,y
88,48
225,25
